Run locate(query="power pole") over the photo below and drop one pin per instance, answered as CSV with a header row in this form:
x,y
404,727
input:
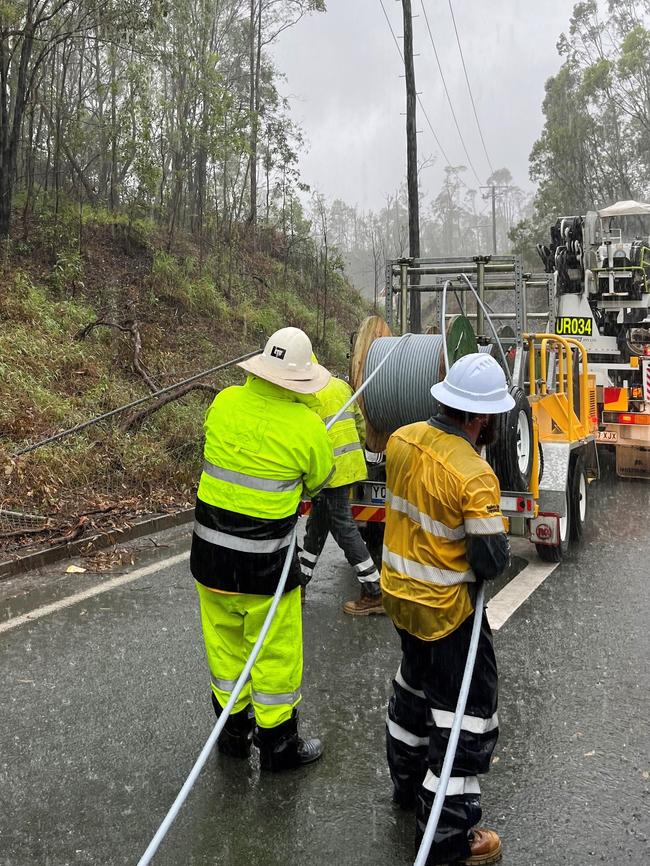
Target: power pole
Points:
x,y
494,219
411,162
492,194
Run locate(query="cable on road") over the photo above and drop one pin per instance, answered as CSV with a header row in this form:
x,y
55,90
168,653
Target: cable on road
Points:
x,y
243,677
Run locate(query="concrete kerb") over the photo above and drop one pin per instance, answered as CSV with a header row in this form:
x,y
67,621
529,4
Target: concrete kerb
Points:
x,y
42,558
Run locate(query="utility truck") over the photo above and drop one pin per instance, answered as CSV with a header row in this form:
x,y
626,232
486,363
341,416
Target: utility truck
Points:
x,y
599,266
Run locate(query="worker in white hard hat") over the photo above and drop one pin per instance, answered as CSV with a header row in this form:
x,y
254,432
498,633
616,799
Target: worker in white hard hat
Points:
x,y
263,447
444,531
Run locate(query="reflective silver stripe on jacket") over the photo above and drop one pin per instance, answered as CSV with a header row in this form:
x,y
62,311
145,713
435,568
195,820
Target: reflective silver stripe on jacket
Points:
x,y
457,786
433,527
472,724
245,545
345,449
397,732
346,416
270,699
223,685
399,679
484,525
271,485
427,573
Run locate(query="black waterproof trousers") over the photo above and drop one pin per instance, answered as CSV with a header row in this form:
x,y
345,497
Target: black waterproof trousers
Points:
x,y
420,716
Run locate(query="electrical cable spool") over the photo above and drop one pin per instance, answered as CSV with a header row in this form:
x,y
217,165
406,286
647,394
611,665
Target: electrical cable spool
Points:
x,y
401,393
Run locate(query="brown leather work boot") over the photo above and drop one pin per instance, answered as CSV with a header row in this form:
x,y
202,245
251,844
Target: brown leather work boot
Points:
x,y
485,846
367,604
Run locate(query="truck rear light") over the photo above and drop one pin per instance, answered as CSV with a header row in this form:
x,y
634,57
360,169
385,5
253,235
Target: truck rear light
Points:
x,y
632,418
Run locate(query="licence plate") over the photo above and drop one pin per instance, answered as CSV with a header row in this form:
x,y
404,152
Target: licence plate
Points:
x,y
378,494
607,436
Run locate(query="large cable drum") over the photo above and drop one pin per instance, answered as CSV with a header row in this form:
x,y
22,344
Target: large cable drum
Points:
x,y
401,392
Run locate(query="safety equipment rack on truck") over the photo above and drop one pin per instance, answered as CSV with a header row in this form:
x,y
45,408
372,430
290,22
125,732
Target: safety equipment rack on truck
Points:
x,y
545,456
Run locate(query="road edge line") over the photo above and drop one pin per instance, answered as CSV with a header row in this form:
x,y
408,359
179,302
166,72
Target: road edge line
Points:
x,y
97,589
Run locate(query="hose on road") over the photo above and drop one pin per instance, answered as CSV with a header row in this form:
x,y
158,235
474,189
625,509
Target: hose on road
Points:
x,y
243,677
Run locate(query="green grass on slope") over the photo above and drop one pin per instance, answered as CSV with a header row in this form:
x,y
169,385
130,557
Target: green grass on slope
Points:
x,y
51,380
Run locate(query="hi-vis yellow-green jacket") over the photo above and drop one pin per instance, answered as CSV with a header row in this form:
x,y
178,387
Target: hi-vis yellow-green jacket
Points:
x,y
262,447
348,435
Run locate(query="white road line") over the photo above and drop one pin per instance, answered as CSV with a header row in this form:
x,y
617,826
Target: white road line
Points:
x,y
515,593
47,609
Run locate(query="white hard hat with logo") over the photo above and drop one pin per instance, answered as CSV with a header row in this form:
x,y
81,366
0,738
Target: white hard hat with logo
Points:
x,y
476,384
287,361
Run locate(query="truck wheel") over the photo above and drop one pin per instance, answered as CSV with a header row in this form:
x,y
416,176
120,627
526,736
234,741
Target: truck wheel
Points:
x,y
578,496
550,553
511,456
373,536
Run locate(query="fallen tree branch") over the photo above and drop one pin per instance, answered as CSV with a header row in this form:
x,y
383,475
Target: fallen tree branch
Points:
x,y
138,418
75,532
130,326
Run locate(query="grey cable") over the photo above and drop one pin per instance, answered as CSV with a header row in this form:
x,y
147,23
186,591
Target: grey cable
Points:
x,y
450,754
506,367
132,405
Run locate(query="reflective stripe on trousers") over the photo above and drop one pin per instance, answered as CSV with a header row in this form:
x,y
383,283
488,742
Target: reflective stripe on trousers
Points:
x,y
231,624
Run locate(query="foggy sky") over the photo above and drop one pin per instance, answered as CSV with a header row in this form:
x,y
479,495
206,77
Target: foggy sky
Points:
x,y
342,77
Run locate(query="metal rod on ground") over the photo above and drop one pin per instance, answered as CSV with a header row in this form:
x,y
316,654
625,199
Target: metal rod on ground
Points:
x,y
243,677
135,403
434,817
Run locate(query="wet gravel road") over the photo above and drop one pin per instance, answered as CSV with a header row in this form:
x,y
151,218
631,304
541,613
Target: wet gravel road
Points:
x,y
105,706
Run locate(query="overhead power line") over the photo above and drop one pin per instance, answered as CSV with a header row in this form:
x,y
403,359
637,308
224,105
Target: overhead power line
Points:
x,y
469,88
449,99
424,111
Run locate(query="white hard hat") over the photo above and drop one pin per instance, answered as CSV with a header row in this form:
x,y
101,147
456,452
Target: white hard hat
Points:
x,y
477,384
287,361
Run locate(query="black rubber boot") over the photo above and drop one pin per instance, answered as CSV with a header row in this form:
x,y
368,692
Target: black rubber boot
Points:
x,y
237,736
282,749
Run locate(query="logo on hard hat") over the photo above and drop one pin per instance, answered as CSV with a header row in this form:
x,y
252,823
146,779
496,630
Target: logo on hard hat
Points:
x,y
278,352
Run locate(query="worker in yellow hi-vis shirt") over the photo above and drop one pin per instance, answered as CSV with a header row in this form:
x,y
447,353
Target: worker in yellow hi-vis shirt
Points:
x,y
444,530
262,448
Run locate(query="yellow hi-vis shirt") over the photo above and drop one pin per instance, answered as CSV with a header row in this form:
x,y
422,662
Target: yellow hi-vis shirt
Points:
x,y
348,435
438,491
